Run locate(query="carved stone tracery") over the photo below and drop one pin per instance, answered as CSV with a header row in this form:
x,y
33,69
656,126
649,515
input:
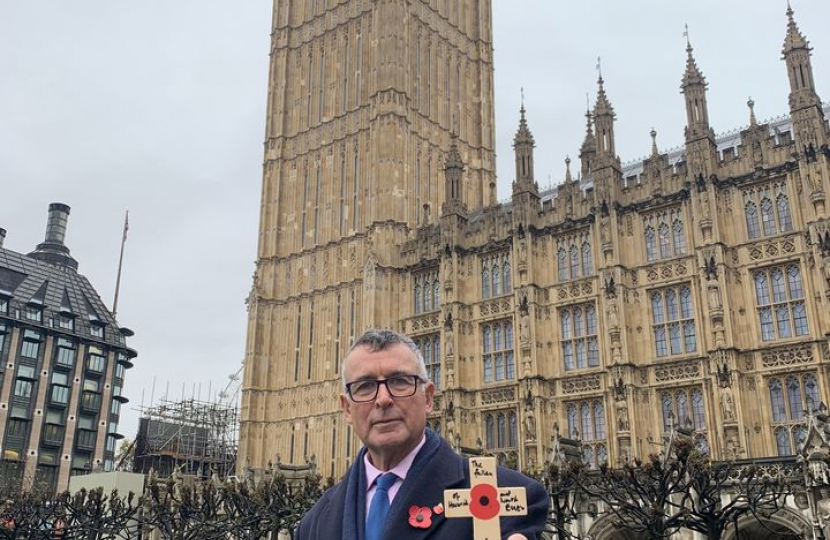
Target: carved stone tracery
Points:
x,y
578,385
498,395
791,355
677,371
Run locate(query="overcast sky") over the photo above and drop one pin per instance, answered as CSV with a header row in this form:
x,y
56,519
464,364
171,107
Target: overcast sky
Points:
x,y
158,107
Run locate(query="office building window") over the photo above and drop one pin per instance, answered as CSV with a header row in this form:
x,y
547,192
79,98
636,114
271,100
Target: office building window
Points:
x,y
60,394
55,416
66,321
91,401
53,434
81,462
65,353
33,313
18,428
96,330
20,412
86,422
30,348
23,388
96,361
47,457
4,332
25,371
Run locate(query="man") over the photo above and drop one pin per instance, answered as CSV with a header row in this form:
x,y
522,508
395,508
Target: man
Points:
x,y
386,397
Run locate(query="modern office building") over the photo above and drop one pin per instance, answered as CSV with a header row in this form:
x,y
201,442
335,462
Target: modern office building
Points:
x,y
63,359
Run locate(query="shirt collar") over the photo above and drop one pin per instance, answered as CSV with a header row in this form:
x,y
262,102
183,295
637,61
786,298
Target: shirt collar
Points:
x,y
400,470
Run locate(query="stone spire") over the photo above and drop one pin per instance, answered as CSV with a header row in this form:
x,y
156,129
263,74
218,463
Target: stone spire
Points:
x,y
794,39
809,123
589,146
604,122
603,106
523,135
753,121
655,166
523,145
694,88
567,190
693,75
453,173
568,177
796,54
606,170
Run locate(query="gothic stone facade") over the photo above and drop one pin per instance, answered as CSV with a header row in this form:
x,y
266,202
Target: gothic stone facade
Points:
x,y
690,288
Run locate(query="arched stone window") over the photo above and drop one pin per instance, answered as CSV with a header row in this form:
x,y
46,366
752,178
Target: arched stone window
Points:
x,y
790,399
779,294
664,234
574,258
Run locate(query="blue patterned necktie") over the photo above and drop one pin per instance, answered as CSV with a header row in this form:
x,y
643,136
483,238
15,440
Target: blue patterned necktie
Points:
x,y
379,507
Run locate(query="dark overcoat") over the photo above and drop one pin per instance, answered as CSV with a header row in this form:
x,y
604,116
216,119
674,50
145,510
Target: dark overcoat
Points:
x,y
436,468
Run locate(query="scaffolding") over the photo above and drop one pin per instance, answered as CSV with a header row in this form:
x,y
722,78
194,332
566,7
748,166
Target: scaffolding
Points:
x,y
188,437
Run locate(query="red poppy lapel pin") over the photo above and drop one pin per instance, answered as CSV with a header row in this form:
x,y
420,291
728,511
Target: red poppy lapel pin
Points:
x,y
420,517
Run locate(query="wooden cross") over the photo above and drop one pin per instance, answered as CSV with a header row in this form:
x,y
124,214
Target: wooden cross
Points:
x,y
485,501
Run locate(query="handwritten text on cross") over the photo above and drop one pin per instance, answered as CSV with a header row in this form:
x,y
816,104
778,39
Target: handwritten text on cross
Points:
x,y
485,501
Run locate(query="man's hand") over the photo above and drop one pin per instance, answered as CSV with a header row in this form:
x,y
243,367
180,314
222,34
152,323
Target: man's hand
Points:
x,y
517,537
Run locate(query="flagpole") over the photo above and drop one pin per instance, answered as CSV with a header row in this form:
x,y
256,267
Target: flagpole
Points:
x,y
120,264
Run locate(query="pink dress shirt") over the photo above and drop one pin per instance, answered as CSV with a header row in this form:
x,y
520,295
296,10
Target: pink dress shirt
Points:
x,y
400,470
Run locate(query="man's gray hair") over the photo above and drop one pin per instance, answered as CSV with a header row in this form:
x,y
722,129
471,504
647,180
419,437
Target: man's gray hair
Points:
x,y
376,340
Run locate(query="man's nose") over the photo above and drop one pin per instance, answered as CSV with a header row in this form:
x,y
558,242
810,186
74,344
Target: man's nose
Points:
x,y
384,398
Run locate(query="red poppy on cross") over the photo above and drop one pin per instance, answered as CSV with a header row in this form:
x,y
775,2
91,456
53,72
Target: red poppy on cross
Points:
x,y
485,501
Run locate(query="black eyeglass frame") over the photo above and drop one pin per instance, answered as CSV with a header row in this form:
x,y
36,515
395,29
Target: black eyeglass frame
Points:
x,y
384,382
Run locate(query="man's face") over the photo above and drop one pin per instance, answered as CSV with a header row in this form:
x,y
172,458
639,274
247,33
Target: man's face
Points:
x,y
387,425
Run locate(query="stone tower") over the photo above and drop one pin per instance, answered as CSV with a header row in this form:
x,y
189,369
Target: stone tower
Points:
x,y
364,97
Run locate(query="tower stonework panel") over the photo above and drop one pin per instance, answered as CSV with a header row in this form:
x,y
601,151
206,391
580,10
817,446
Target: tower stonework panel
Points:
x,y
364,98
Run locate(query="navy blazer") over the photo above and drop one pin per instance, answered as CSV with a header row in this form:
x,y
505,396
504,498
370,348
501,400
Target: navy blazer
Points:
x,y
444,470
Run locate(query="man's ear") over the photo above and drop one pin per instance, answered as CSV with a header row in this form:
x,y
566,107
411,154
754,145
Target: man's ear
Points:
x,y
345,406
429,390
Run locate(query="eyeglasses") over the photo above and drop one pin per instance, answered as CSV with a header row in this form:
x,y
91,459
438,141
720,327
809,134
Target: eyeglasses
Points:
x,y
401,386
